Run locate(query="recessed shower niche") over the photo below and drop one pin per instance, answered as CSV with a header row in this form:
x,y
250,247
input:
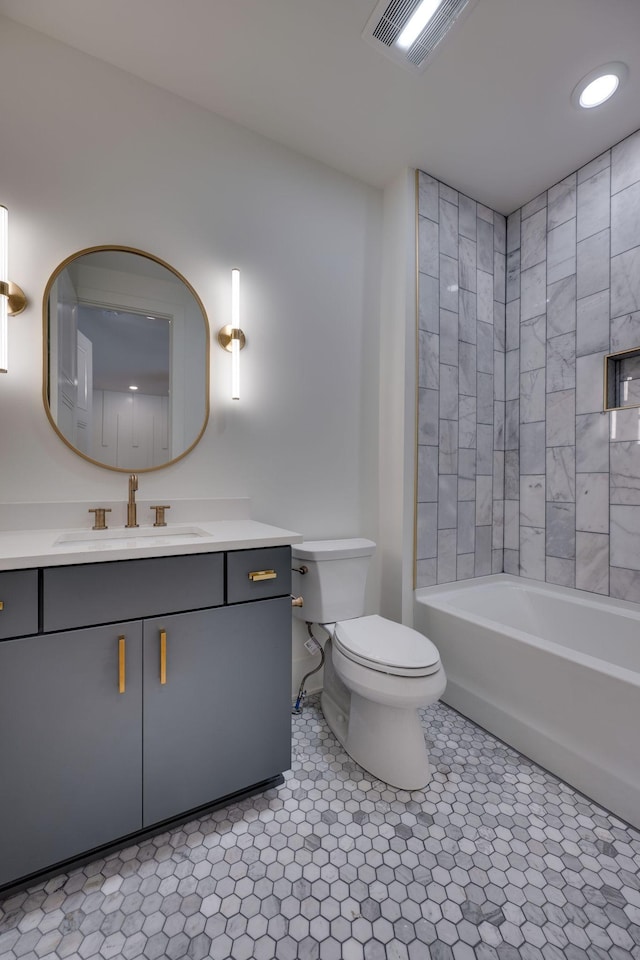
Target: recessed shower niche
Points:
x,y
622,379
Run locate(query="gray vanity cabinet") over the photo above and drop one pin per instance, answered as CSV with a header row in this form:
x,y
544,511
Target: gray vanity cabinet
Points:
x,y
222,719
70,744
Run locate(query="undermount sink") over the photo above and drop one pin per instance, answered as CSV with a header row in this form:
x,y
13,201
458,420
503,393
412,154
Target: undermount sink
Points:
x,y
134,537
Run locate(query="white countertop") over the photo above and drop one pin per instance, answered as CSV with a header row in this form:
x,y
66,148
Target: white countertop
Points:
x,y
57,546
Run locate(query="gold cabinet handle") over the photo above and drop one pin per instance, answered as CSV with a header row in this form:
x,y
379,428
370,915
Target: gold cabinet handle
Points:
x,y
256,575
163,656
121,665
1,604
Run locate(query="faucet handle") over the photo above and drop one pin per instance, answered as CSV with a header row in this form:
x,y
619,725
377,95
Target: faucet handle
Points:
x,y
160,509
100,520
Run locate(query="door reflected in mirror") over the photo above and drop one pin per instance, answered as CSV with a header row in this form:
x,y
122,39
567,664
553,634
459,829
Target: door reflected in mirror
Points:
x,y
126,366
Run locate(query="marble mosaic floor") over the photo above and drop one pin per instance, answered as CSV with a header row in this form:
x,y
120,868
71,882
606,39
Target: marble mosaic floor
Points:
x,y
495,859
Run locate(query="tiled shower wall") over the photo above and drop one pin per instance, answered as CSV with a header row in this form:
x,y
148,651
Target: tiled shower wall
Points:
x,y
461,408
563,476
572,472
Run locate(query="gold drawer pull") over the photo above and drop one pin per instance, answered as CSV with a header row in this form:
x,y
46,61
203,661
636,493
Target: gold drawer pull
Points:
x,y
163,656
121,665
256,575
1,604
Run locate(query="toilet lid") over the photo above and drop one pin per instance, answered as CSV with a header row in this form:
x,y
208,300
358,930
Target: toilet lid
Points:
x,y
386,646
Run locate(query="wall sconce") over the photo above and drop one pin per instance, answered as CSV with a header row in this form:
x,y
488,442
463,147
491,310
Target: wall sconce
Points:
x,y
12,299
231,336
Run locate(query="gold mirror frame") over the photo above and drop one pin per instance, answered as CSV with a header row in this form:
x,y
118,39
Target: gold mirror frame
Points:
x,y
46,354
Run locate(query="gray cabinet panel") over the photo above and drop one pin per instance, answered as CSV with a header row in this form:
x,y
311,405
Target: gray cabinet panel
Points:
x,y
19,599
222,721
242,565
77,596
70,745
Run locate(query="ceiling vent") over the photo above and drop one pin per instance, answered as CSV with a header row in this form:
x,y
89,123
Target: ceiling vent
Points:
x,y
390,17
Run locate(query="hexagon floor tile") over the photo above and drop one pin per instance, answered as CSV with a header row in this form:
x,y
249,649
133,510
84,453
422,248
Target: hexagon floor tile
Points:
x,y
495,859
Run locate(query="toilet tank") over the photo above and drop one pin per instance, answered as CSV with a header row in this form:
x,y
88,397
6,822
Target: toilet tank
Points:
x,y
333,585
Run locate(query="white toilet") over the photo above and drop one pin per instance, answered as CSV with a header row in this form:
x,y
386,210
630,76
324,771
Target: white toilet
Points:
x,y
377,672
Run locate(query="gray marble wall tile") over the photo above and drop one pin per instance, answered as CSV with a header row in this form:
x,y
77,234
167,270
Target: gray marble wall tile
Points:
x,y
594,166
593,264
534,239
625,282
593,204
465,566
467,216
485,398
427,474
447,564
497,561
428,253
592,333
512,425
447,501
533,206
513,231
498,474
448,228
448,462
427,545
448,283
561,251
532,501
484,458
561,529
467,317
429,360
448,392
590,383
592,502
560,571
484,498
532,395
484,308
426,573
532,448
428,196
625,473
485,245
592,562
560,416
500,233
625,332
448,193
466,540
625,219
561,474
532,555
623,424
428,416
498,425
625,537
499,276
499,375
511,525
448,337
483,551
497,525
485,347
512,562
511,474
468,265
592,449
625,584
625,163
467,368
561,306
561,362
428,307
533,292
484,213
513,275
512,375
499,326
561,202
467,435
533,343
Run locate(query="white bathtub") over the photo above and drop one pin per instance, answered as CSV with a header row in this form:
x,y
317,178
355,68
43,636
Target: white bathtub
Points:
x,y
552,671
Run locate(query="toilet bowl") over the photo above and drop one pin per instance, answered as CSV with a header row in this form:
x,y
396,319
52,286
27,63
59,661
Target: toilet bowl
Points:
x,y
377,673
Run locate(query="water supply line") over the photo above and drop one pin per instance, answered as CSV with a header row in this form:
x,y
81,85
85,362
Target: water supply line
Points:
x,y
313,645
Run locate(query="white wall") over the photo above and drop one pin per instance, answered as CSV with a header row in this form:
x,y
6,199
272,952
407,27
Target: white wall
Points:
x,y
91,155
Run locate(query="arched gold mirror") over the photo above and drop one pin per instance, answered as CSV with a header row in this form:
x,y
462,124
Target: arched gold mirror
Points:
x,y
126,359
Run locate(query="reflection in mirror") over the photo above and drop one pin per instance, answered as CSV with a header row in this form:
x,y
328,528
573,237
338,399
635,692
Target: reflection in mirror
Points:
x,y
126,366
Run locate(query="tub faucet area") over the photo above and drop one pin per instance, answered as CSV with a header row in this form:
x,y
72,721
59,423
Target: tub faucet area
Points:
x,y
131,503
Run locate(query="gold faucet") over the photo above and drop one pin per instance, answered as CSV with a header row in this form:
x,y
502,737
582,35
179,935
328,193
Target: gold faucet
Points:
x,y
131,505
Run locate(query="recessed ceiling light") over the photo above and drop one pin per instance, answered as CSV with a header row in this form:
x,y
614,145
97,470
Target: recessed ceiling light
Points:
x,y
133,387
598,85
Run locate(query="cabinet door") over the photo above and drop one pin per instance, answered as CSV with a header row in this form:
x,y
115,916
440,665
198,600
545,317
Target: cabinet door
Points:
x,y
222,720
70,745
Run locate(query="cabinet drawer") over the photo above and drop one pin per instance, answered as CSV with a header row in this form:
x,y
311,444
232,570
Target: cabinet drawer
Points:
x,y
19,598
130,589
257,574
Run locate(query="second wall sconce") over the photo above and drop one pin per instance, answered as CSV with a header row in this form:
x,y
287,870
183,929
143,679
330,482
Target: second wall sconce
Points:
x,y
231,337
12,299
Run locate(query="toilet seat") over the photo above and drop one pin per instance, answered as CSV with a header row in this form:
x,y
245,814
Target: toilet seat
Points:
x,y
386,647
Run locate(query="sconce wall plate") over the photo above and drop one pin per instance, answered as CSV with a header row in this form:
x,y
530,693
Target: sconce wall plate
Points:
x,y
16,299
225,336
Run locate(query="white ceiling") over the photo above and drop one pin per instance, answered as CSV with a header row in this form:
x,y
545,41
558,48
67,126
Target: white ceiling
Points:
x,y
491,115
